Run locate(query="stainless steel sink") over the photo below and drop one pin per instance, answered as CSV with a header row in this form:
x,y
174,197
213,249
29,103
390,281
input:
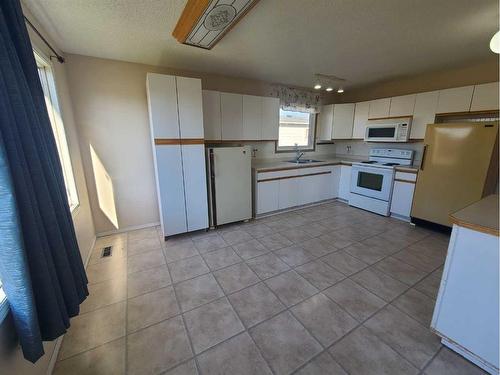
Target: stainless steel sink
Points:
x,y
304,161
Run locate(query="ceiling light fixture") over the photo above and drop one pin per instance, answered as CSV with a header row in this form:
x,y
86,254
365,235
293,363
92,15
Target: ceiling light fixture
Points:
x,y
329,89
340,90
328,82
495,42
317,86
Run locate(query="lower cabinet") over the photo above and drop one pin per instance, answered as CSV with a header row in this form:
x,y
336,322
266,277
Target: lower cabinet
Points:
x,y
402,194
267,196
345,182
289,192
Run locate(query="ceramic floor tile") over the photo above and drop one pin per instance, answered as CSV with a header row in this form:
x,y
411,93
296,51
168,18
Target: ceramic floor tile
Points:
x,y
284,343
250,249
151,308
417,260
255,304
363,353
275,241
280,225
417,305
323,364
318,247
209,243
294,255
187,368
158,348
409,338
198,291
236,277
147,281
187,268
257,230
237,236
355,299
296,235
143,245
336,240
211,324
380,284
99,272
118,252
319,274
290,287
185,249
400,270
221,258
238,355
366,253
449,362
104,293
344,262
315,229
108,359
324,319
92,329
429,286
145,261
268,265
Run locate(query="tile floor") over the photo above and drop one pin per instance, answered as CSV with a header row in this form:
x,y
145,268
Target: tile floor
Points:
x,y
328,289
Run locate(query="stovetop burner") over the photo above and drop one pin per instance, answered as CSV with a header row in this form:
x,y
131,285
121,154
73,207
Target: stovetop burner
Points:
x,y
391,164
369,162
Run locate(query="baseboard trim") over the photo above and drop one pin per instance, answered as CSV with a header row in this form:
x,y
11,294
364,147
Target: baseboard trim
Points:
x,y
89,254
127,229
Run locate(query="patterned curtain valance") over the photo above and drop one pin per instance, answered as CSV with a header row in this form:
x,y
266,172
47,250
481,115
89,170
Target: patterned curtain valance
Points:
x,y
293,99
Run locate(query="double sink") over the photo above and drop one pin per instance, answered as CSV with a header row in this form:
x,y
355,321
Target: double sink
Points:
x,y
304,161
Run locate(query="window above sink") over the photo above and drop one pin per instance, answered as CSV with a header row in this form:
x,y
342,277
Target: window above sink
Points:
x,y
296,128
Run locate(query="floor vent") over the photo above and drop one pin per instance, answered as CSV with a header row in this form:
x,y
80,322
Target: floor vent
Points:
x,y
106,252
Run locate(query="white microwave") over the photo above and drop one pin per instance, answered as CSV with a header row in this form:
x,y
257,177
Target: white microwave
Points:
x,y
394,130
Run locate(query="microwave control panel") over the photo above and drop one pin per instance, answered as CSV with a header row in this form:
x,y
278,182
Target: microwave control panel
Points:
x,y
402,130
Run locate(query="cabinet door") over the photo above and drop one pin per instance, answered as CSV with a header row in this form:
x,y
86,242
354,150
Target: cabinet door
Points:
x,y
485,97
325,122
195,186
343,119
270,118
345,182
402,105
360,118
424,113
288,193
252,117
402,198
232,116
335,181
457,99
211,115
267,196
307,190
379,108
170,185
190,107
162,103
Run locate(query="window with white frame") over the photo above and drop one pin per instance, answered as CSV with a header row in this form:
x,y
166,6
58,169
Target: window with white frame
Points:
x,y
4,306
296,129
49,90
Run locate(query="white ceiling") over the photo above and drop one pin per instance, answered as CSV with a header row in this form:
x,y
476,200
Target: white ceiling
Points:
x,y
285,41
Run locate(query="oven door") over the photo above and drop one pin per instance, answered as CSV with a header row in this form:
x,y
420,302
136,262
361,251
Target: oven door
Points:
x,y
372,182
381,133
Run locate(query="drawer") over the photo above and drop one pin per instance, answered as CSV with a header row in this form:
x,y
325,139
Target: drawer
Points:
x,y
405,176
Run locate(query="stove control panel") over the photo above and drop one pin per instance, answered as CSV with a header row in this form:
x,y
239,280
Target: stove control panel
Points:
x,y
392,153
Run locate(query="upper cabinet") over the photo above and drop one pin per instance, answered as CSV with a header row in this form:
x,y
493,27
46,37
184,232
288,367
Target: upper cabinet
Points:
x,y
361,111
379,108
189,101
343,118
231,106
485,97
325,123
162,103
211,115
457,99
252,117
402,105
424,113
270,118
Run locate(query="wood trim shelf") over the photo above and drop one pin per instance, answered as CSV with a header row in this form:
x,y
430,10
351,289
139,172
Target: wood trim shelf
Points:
x,y
298,176
390,118
192,12
407,181
179,141
226,141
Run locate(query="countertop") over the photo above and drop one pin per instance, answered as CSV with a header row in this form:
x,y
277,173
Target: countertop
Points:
x,y
270,165
481,216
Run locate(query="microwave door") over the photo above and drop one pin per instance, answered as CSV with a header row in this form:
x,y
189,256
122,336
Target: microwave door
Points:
x,y
380,133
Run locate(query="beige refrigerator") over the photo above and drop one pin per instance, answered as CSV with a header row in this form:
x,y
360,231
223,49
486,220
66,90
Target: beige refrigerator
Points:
x,y
459,166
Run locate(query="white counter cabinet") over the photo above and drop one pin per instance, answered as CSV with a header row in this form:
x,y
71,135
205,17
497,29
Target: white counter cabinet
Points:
x,y
402,195
345,182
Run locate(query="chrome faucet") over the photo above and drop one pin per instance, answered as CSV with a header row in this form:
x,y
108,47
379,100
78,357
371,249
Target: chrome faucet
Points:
x,y
298,154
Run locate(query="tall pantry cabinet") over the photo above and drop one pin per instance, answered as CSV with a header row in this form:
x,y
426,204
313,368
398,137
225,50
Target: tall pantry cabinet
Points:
x,y
176,123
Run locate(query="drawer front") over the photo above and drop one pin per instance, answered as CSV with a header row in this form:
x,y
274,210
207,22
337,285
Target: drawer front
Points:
x,y
405,176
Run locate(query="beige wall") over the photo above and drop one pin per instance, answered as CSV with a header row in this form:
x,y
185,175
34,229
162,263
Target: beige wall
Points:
x,y
12,360
474,73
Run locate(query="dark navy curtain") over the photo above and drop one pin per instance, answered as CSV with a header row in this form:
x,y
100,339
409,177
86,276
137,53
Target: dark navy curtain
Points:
x,y
40,264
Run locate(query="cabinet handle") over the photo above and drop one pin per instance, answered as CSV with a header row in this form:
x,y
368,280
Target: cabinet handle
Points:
x,y
423,158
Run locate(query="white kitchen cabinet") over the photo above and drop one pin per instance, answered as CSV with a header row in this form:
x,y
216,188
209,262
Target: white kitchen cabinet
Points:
x,y
402,105
190,107
402,198
345,182
270,118
162,106
343,119
335,181
231,116
252,117
211,115
485,97
314,188
457,99
424,113
267,196
288,193
361,111
379,108
325,123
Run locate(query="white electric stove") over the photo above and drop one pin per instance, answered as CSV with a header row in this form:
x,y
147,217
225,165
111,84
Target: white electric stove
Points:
x,y
372,180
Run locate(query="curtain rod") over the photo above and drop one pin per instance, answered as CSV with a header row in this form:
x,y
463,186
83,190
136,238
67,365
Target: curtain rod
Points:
x,y
56,55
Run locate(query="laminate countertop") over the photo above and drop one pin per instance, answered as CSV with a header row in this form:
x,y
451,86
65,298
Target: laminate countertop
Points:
x,y
481,216
270,165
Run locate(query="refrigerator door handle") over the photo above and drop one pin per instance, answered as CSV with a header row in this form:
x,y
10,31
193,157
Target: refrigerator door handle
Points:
x,y
212,165
423,158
